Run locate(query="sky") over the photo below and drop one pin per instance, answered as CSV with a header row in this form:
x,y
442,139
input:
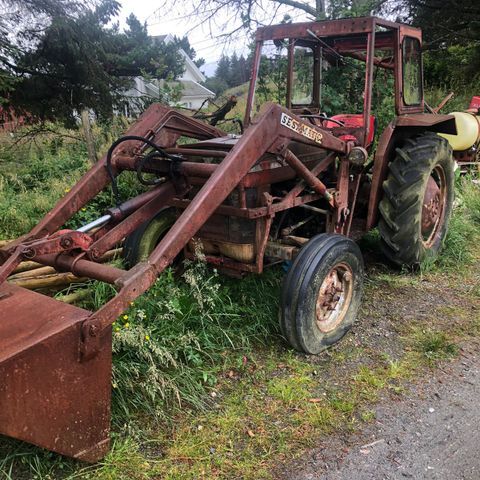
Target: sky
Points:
x,y
180,23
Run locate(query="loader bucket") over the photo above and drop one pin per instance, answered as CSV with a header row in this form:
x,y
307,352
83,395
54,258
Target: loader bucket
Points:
x,y
49,397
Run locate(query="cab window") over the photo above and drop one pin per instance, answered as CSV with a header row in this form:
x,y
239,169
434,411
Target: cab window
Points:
x,y
302,87
412,71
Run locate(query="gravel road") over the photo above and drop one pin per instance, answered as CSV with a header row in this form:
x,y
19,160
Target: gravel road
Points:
x,y
432,433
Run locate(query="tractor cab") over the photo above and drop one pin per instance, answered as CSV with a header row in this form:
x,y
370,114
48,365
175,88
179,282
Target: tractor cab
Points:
x,y
335,74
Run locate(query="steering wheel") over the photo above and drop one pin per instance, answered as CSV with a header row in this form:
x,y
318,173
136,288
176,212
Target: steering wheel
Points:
x,y
322,117
330,119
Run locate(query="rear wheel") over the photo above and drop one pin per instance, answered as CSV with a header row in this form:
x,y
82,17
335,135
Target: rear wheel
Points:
x,y
322,293
141,243
418,199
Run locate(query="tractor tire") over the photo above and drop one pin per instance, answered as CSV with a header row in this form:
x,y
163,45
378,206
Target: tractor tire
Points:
x,y
417,201
322,293
141,243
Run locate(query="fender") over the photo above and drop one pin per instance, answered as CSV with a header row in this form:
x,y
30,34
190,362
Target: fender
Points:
x,y
401,128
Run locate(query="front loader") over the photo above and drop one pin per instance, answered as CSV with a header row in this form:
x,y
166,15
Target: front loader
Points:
x,y
296,186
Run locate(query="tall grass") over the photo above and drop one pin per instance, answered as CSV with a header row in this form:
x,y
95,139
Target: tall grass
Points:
x,y
172,344
36,174
32,178
170,349
458,103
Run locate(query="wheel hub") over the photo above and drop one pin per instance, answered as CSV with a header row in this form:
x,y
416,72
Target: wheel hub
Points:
x,y
334,297
433,206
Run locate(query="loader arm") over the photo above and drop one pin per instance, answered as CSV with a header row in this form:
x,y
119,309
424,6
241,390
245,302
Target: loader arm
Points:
x,y
158,123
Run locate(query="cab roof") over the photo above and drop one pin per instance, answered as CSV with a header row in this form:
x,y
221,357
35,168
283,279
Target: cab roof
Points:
x,y
334,28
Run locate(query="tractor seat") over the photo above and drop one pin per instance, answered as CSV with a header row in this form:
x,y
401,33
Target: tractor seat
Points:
x,y
353,120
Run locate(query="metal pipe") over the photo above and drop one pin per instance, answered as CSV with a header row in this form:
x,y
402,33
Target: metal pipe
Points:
x,y
162,195
133,204
99,222
82,268
291,53
196,152
163,167
122,211
307,174
253,83
367,101
320,79
315,209
288,230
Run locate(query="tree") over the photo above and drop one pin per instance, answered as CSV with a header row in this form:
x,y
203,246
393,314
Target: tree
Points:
x,y
247,15
75,59
223,68
216,85
21,23
230,72
353,8
234,76
184,44
444,21
451,33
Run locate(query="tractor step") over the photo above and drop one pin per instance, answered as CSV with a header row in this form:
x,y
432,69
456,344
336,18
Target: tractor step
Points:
x,y
48,396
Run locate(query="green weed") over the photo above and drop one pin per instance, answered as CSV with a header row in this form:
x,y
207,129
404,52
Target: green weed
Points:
x,y
367,416
469,196
433,345
341,403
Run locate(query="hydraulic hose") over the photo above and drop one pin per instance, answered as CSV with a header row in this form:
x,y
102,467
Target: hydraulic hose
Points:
x,y
127,138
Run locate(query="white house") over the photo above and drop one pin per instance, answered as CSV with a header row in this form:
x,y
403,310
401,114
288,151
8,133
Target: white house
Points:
x,y
193,94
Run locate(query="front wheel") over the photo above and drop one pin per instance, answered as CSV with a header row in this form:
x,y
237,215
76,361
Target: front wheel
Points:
x,y
141,243
322,293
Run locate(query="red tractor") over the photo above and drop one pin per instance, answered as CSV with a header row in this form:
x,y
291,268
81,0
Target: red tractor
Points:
x,y
296,186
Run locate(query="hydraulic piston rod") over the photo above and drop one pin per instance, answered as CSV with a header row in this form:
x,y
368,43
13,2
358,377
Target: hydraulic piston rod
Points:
x,y
99,222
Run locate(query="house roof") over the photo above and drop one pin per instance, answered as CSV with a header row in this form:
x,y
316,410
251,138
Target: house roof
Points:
x,y
193,89
160,38
194,70
189,63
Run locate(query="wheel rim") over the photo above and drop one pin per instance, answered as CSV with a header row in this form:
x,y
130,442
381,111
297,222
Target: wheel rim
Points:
x,y
334,297
433,208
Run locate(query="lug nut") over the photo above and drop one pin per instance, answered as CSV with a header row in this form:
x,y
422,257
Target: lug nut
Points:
x,y
347,276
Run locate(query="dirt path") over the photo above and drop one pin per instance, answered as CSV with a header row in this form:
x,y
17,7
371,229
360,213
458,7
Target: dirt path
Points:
x,y
433,433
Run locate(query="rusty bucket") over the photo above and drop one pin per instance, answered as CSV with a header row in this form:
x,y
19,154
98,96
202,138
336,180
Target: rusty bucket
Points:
x,y
49,396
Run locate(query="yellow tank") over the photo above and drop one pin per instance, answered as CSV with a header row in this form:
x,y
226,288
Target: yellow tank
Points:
x,y
468,131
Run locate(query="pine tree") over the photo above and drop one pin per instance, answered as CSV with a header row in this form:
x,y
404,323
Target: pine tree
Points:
x,y
184,44
234,78
78,60
244,71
